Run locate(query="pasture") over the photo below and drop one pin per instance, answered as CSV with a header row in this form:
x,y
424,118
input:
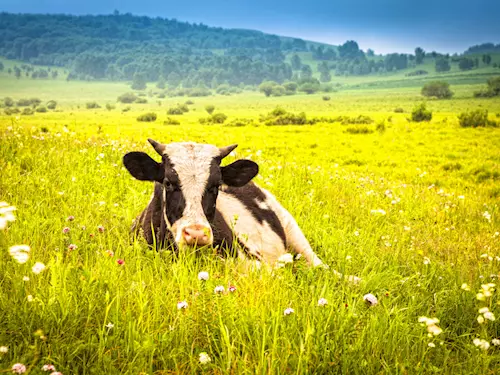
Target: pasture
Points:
x,y
410,208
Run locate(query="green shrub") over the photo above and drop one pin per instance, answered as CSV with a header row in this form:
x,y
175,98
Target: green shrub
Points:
x,y
110,107
8,102
474,119
451,166
326,98
210,108
420,113
27,112
484,93
41,109
218,118
361,119
92,105
11,111
35,101
175,111
128,97
141,101
126,109
199,91
278,91
398,110
147,117
381,127
23,103
51,104
171,121
358,130
189,102
438,89
183,107
241,122
419,72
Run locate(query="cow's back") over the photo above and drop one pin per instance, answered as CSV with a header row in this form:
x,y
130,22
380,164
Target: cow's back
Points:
x,y
251,216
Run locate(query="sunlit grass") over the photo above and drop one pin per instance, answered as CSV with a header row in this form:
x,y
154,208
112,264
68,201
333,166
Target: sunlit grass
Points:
x,y
403,209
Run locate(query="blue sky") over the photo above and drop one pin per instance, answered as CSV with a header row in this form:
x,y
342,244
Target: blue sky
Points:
x,y
385,26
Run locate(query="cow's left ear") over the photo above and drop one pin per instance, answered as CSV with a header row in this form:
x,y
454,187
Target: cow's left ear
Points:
x,y
239,173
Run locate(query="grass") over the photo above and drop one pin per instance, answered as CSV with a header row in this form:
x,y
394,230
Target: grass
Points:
x,y
434,181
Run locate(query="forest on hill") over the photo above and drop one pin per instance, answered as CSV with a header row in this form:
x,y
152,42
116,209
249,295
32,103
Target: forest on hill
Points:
x,y
124,47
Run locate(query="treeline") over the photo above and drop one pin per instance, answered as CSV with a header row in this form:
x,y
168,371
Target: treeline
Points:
x,y
483,48
116,47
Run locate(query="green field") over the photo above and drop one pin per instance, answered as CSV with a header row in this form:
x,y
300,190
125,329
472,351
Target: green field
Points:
x,y
410,208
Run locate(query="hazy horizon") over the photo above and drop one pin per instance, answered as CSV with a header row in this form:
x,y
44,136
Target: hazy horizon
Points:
x,y
385,27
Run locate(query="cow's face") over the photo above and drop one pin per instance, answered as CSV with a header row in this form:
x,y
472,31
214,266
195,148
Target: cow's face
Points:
x,y
191,175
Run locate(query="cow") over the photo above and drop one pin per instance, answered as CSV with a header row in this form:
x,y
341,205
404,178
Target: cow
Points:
x,y
197,202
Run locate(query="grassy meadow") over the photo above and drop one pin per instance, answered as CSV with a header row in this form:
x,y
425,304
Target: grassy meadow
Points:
x,y
410,208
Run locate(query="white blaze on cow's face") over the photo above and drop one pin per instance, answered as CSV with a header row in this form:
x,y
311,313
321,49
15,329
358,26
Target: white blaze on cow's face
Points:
x,y
190,176
191,185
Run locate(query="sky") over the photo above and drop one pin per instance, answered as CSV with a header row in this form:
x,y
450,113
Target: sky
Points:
x,y
445,26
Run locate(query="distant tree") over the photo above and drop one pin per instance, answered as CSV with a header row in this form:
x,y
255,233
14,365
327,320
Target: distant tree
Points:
x,y
350,50
161,83
419,55
17,72
1,66
55,74
442,65
323,67
466,63
296,62
139,82
476,62
9,71
494,85
370,52
438,89
209,108
305,72
325,77
174,79
278,90
309,87
290,87
267,87
486,59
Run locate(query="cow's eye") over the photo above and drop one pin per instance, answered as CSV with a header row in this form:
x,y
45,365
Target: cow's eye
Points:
x,y
168,185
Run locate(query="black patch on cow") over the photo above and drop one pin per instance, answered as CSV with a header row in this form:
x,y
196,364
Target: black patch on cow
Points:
x,y
249,195
143,167
175,203
239,173
209,199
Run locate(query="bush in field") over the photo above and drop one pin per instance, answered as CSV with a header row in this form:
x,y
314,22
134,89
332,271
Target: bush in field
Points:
x,y
398,110
189,102
171,121
218,118
241,122
267,87
141,101
278,91
279,116
442,65
290,88
41,109
309,87
381,127
199,91
11,111
493,89
51,104
128,97
419,72
110,107
438,89
27,112
147,117
35,101
420,113
210,108
358,130
361,119
92,105
23,102
183,107
326,98
126,109
175,111
8,102
474,119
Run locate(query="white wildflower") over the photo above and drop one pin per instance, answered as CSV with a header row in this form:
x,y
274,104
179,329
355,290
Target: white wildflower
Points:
x,y
110,325
288,311
489,315
431,345
19,368
371,299
322,302
182,305
378,212
26,278
38,267
481,344
3,349
203,276
465,287
204,358
219,289
480,319
284,260
20,253
495,342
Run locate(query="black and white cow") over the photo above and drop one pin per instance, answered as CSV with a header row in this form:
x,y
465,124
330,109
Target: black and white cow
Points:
x,y
198,202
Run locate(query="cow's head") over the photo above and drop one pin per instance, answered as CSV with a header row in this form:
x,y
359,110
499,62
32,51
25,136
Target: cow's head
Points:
x,y
190,175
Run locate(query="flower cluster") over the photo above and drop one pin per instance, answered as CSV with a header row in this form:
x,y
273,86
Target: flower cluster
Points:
x,y
431,324
485,313
481,344
486,291
20,253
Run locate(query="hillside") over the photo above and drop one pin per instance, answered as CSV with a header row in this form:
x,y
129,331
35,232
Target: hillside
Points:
x,y
124,47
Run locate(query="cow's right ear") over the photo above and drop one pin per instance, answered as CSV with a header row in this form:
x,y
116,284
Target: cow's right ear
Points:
x,y
143,167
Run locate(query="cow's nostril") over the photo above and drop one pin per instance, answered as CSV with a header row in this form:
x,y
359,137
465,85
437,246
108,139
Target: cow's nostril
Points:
x,y
196,234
